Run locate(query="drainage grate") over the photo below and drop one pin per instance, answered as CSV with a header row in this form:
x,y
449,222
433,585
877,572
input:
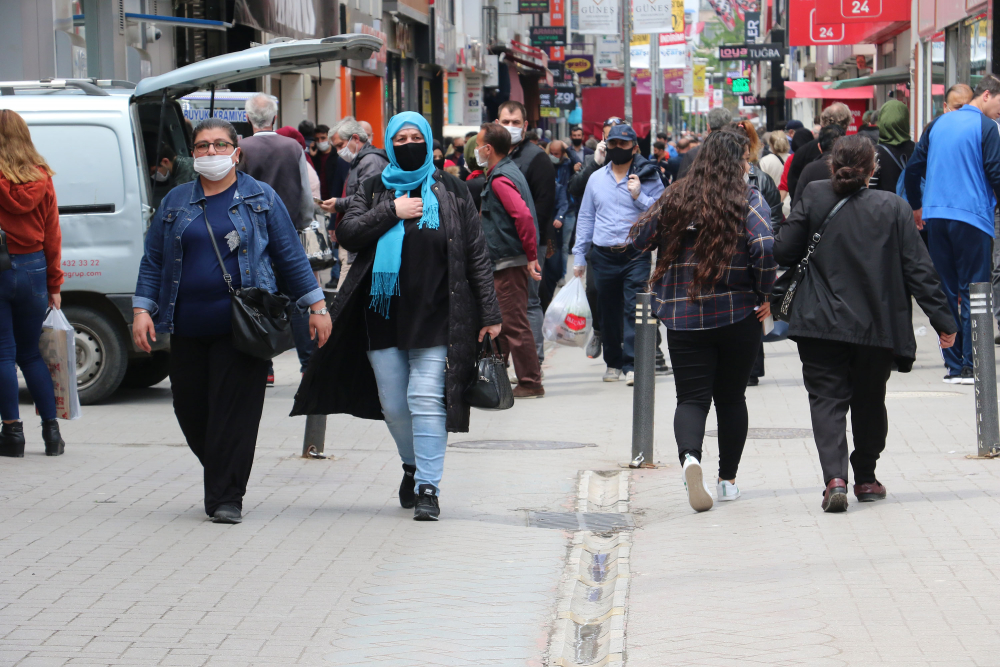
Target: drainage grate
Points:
x,y
597,522
771,433
520,444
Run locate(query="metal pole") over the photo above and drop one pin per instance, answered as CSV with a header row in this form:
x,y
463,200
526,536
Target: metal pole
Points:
x,y
644,400
655,75
984,369
627,47
315,438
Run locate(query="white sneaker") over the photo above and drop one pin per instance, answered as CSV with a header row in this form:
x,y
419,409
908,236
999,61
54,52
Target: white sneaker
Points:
x,y
726,491
511,375
630,378
698,494
612,374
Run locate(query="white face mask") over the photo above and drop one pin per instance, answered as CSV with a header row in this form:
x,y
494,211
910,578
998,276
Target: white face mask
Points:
x,y
480,161
160,177
515,133
323,146
346,153
214,167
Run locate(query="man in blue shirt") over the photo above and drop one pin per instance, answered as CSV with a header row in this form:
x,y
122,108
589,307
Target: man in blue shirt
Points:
x,y
616,195
959,155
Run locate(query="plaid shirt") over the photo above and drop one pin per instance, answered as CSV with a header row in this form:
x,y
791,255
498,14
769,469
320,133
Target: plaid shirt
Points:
x,y
744,285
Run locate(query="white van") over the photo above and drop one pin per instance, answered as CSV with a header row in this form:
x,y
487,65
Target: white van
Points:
x,y
100,138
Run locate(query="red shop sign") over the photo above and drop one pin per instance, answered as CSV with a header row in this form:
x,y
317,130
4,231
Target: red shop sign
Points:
x,y
805,29
862,11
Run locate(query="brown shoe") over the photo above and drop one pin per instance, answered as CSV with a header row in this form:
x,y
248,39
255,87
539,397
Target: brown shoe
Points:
x,y
835,496
525,391
869,492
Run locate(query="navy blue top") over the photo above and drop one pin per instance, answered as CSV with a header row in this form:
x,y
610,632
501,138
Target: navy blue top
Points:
x,y
203,305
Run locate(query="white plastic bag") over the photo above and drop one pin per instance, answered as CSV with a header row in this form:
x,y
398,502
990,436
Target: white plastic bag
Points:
x,y
58,348
568,320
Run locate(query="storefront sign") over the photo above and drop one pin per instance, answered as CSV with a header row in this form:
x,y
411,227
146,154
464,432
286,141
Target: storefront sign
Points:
x,y
751,52
750,100
557,13
862,11
738,86
299,19
609,49
565,97
544,36
473,99
751,27
532,6
805,29
581,64
548,112
557,53
425,97
653,16
598,17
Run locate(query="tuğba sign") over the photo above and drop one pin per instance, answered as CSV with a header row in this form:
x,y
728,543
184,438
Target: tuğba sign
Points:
x,y
752,52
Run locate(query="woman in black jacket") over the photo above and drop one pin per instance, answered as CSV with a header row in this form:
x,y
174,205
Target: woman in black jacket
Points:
x,y
851,316
405,322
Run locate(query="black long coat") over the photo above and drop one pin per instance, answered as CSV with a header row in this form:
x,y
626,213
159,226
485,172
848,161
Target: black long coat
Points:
x,y
339,379
866,267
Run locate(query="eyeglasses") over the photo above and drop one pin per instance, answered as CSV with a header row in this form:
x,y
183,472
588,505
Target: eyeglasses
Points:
x,y
221,147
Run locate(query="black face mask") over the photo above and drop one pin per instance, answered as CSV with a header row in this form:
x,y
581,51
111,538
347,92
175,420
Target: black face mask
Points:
x,y
578,142
439,162
411,156
619,155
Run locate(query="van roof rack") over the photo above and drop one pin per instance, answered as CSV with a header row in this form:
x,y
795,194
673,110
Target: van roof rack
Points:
x,y
88,86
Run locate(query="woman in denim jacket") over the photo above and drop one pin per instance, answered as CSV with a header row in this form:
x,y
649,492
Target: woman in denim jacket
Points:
x,y
218,391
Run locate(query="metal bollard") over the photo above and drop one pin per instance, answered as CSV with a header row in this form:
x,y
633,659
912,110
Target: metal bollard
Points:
x,y
643,398
985,369
315,438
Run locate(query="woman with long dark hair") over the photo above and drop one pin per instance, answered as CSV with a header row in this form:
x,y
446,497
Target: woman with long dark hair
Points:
x,y
714,272
852,324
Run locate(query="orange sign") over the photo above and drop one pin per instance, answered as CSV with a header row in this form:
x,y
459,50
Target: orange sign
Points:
x,y
557,53
557,12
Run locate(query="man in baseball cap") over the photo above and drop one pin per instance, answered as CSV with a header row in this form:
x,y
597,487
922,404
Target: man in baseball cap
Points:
x,y
792,126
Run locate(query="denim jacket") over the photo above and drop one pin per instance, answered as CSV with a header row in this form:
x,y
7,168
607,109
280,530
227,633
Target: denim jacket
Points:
x,y
267,238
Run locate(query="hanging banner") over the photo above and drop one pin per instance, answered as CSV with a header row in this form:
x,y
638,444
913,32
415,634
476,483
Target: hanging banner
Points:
x,y
751,27
677,15
698,82
609,50
639,52
724,10
673,82
473,99
650,17
598,17
673,47
862,11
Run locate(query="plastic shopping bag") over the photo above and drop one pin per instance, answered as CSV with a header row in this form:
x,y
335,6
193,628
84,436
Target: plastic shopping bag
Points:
x,y
568,320
58,348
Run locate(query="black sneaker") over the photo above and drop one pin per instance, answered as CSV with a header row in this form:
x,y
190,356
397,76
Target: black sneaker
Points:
x,y
594,346
427,508
406,495
968,377
662,368
228,514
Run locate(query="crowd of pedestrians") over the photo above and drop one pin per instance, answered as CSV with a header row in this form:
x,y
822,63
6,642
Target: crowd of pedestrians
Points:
x,y
445,242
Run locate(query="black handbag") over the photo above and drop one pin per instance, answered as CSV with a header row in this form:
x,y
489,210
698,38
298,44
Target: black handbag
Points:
x,y
491,389
5,263
785,287
261,326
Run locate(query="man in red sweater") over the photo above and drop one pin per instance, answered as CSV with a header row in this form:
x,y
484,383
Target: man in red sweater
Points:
x,y
508,215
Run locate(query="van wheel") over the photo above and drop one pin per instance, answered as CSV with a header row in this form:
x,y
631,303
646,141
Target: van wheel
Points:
x,y
101,355
147,371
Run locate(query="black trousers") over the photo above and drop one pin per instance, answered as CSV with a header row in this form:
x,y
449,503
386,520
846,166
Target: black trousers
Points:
x,y
713,365
838,377
218,399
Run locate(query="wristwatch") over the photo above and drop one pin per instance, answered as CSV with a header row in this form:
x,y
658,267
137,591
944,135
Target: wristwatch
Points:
x,y
321,311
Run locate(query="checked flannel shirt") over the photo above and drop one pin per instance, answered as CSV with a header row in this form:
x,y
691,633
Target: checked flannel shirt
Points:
x,y
745,284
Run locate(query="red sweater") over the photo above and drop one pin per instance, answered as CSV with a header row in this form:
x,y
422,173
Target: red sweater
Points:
x,y
512,201
30,218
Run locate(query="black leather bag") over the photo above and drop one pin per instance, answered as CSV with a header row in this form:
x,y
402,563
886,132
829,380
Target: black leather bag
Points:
x,y
5,263
261,326
491,389
785,287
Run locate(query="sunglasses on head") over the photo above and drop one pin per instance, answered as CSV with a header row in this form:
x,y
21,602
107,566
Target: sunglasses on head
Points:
x,y
614,120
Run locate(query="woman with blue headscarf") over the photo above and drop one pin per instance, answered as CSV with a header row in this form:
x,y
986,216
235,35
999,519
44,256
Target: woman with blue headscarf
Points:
x,y
408,317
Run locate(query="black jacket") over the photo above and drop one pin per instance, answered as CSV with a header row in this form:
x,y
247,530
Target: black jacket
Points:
x,y
339,379
819,170
578,181
686,161
369,161
868,264
538,170
769,192
804,156
887,161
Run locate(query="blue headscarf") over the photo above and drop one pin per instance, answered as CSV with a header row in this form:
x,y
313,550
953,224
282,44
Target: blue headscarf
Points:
x,y
389,251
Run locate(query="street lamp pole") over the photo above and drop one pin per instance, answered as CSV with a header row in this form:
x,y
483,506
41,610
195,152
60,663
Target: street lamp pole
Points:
x,y
627,49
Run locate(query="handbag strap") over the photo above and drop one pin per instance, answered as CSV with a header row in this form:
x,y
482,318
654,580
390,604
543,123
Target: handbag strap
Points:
x,y
211,237
818,234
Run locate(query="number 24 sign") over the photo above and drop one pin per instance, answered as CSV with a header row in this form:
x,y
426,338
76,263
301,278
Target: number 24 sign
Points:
x,y
861,11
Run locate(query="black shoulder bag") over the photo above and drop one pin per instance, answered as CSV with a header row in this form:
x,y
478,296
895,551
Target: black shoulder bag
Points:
x,y
261,327
491,389
783,293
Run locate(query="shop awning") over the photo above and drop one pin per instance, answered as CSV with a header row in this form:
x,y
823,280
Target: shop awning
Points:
x,y
889,75
823,90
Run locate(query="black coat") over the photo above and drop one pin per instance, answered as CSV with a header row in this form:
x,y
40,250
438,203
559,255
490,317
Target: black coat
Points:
x,y
339,379
818,170
540,173
804,156
868,264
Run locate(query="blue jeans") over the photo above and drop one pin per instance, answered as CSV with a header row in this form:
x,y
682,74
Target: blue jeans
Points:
x,y
962,254
23,302
411,391
619,275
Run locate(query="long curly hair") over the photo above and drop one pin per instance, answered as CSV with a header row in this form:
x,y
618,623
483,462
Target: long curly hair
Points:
x,y
712,199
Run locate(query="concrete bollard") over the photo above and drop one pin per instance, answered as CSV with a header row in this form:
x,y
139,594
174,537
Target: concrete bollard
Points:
x,y
643,398
315,437
984,369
